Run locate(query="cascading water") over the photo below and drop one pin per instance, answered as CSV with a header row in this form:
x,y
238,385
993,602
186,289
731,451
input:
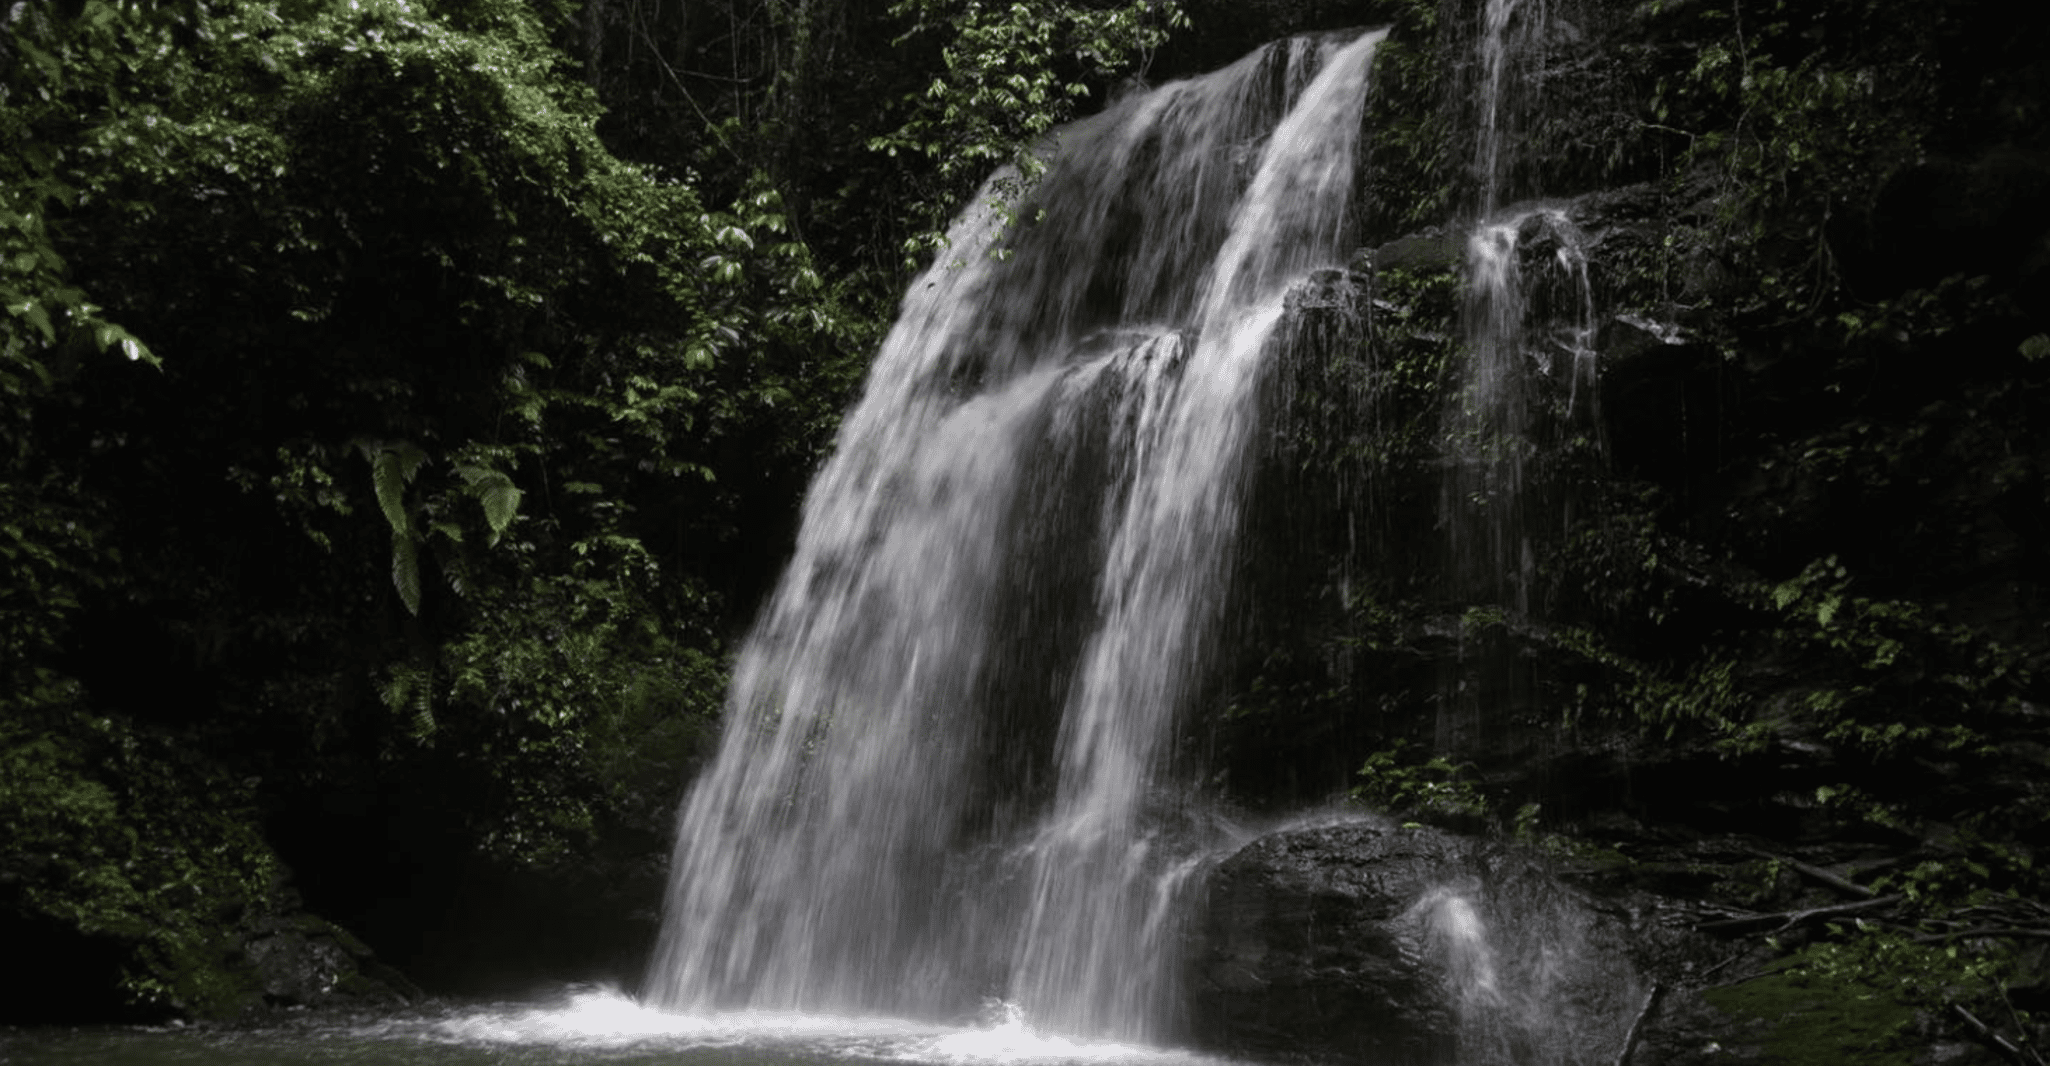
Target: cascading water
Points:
x,y
1529,384
945,772
1523,984
1530,379
1509,30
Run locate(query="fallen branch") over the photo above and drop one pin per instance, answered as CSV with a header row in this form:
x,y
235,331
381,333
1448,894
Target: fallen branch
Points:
x,y
1833,880
1724,913
1987,930
1704,975
1784,920
1994,1040
1637,1027
2003,909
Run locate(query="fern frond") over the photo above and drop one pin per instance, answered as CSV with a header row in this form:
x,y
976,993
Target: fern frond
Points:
x,y
405,570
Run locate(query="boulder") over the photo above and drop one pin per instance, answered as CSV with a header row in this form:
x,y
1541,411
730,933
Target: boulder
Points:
x,y
1370,942
301,960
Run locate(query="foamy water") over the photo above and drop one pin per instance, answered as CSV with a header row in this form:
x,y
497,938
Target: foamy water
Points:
x,y
599,1019
581,1026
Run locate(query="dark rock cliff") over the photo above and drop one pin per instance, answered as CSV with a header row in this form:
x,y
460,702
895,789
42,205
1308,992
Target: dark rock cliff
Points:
x,y
1781,666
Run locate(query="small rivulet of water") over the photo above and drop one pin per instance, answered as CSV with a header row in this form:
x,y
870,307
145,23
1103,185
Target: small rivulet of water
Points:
x,y
1531,382
1526,978
945,769
1528,387
1508,28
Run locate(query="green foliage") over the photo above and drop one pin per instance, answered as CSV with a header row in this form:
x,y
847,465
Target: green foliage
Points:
x,y
570,700
1883,679
1413,360
1967,878
1012,72
420,332
1413,174
1434,788
1907,681
1792,134
1617,565
53,552
1980,859
1702,693
48,322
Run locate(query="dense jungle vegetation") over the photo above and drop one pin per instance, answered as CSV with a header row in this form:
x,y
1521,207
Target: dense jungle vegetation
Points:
x,y
405,403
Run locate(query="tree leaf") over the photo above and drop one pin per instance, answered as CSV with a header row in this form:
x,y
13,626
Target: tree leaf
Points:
x,y
501,504
390,483
405,570
392,466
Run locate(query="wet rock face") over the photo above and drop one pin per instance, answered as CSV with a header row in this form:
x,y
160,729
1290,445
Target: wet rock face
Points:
x,y
1305,946
1365,942
1221,30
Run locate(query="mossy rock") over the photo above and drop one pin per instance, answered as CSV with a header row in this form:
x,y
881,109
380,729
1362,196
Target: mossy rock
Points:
x,y
1807,1022
1872,999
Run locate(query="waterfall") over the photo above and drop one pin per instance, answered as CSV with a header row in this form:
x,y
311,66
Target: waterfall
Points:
x,y
1523,979
1530,378
946,768
1529,384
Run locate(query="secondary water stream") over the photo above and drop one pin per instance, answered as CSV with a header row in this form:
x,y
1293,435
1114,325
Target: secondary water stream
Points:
x,y
1529,385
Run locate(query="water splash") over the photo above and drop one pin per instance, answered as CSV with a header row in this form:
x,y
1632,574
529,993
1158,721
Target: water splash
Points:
x,y
1523,421
1457,938
1532,975
586,1024
945,772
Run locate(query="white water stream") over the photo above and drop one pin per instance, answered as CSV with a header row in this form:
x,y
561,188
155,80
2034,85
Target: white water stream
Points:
x,y
947,773
1529,385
